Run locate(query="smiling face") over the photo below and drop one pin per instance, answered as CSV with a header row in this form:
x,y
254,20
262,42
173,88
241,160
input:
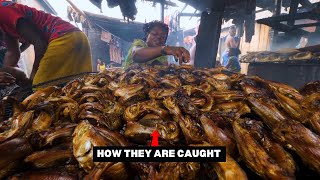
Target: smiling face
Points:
x,y
156,37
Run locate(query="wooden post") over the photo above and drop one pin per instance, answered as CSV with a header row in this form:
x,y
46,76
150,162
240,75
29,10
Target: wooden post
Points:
x,y
294,37
318,27
162,10
313,38
293,10
208,39
277,12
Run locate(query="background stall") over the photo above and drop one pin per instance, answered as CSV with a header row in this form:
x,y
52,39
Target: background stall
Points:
x,y
109,38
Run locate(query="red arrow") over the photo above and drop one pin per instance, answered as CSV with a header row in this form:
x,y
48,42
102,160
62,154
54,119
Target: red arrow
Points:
x,y
155,135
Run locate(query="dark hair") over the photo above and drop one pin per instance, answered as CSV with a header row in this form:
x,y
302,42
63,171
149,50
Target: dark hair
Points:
x,y
149,26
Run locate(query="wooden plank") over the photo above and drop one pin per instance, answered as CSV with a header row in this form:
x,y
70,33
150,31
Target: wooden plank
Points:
x,y
284,28
306,25
297,16
277,13
268,41
266,35
261,37
256,38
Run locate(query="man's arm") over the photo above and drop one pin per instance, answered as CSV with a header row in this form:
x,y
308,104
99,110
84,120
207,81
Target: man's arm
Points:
x,y
34,36
12,55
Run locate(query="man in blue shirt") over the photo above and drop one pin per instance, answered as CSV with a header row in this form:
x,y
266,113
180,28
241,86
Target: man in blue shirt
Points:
x,y
232,63
231,41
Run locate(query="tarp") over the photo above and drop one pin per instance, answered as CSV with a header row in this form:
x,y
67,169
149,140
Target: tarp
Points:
x,y
117,27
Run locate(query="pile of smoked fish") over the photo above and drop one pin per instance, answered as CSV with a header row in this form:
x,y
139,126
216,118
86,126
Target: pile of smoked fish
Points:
x,y
267,127
268,56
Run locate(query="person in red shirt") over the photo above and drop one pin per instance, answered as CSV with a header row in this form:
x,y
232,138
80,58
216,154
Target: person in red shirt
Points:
x,y
61,49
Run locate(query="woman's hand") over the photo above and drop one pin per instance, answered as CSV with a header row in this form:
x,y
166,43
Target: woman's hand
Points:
x,y
6,79
180,53
19,76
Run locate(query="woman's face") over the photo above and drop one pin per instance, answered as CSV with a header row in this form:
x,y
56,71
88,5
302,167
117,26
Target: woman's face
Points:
x,y
156,37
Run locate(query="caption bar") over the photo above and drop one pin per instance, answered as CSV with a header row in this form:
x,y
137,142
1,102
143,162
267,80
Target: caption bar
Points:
x,y
159,154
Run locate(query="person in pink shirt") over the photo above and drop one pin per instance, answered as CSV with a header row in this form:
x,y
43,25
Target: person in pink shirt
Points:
x,y
61,49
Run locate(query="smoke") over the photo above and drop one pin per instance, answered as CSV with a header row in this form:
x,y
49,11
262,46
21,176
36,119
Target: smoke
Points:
x,y
285,41
313,39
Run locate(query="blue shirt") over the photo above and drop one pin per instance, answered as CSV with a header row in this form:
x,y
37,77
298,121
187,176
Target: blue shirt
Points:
x,y
234,64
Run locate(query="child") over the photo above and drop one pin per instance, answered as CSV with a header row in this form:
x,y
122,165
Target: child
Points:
x,y
233,62
101,66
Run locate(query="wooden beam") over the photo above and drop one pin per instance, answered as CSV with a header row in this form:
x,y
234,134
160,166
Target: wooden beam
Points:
x,y
184,7
306,25
277,12
232,2
162,10
318,28
306,4
208,39
284,28
297,16
278,7
168,3
190,14
293,10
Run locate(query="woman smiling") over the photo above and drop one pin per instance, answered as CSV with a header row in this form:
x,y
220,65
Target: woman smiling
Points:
x,y
152,50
